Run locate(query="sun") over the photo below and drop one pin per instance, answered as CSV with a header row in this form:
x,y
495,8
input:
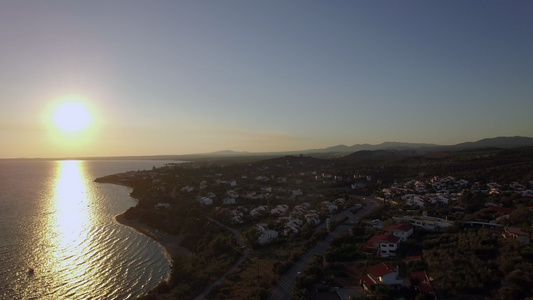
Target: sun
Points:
x,y
72,117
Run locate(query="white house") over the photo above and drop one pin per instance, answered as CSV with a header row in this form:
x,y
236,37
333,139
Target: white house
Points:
x,y
187,189
206,201
297,192
312,217
232,194
301,209
293,225
265,234
402,230
236,216
428,223
416,200
258,210
228,201
383,245
439,198
382,274
279,209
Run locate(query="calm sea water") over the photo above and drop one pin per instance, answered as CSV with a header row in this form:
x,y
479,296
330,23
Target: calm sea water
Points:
x,y
57,221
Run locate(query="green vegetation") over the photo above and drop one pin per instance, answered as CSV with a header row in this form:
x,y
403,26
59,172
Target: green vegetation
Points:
x,y
474,262
461,261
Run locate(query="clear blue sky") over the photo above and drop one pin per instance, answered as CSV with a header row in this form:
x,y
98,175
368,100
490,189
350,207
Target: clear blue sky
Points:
x,y
177,77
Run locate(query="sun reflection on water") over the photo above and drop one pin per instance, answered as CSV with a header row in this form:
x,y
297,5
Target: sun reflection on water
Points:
x,y
69,227
70,201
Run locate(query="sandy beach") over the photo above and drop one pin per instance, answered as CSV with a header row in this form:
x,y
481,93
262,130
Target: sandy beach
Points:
x,y
171,243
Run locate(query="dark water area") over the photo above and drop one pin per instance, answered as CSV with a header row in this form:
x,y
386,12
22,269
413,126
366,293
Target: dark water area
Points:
x,y
59,239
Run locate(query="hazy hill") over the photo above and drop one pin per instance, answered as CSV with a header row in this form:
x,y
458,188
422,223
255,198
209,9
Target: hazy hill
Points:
x,y
497,142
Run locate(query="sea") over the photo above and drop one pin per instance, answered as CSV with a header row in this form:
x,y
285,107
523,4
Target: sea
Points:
x,y
59,238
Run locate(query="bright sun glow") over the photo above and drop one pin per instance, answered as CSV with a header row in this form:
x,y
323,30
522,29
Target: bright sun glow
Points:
x,y
72,117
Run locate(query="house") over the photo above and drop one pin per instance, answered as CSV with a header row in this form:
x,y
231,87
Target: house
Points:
x,y
312,217
266,189
229,201
517,186
340,202
301,209
279,209
402,230
292,225
232,194
527,193
258,211
206,201
383,245
236,216
297,192
382,274
187,189
328,207
203,184
265,234
516,234
416,200
439,198
428,223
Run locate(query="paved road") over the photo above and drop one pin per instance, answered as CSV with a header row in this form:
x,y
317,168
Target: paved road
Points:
x,y
283,290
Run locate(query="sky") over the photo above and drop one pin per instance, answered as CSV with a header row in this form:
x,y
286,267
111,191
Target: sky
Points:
x,y
184,77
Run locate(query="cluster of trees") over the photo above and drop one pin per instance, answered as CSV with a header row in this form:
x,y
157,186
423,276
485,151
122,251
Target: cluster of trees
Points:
x,y
479,262
347,247
214,252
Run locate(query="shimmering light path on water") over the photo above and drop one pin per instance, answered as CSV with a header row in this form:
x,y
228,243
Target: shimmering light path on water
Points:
x,y
55,220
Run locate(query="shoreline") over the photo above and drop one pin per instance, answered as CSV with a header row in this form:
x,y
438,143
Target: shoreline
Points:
x,y
169,242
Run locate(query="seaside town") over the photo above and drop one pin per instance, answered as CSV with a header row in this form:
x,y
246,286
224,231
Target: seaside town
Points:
x,y
374,225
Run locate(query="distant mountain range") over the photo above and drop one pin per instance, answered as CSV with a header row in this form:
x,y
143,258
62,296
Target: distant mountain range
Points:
x,y
340,150
359,150
497,142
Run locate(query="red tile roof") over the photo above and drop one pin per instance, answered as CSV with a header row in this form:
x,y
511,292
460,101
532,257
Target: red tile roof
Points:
x,y
516,231
373,243
381,269
387,238
368,281
424,283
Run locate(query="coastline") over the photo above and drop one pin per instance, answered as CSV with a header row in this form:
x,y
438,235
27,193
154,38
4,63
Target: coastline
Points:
x,y
171,243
